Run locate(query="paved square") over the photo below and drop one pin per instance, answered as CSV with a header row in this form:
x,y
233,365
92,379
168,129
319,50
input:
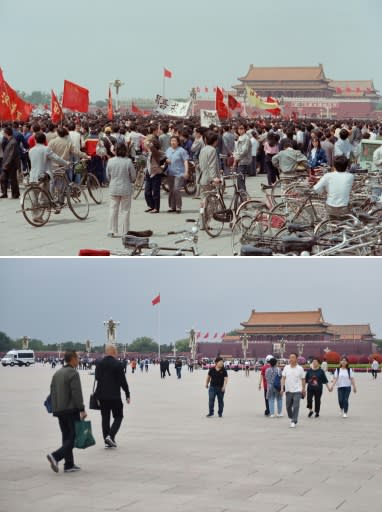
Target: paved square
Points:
x,y
170,457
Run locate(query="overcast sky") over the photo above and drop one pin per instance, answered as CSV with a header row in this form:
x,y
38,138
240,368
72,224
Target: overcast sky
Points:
x,y
68,299
92,42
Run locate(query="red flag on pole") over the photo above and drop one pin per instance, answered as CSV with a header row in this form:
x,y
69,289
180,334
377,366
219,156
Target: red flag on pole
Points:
x,y
222,336
206,335
156,300
221,107
233,103
136,110
167,73
110,107
215,335
206,89
75,97
12,107
55,108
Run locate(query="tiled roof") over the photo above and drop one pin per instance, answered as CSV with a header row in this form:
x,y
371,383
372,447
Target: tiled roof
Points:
x,y
351,330
284,73
284,318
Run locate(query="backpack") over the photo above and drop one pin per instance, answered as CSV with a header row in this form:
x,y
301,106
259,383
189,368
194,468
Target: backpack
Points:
x,y
277,381
338,372
101,149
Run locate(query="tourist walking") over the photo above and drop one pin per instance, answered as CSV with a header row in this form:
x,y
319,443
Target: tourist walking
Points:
x,y
121,173
111,379
344,380
263,381
293,383
374,368
216,384
274,395
315,379
178,368
68,407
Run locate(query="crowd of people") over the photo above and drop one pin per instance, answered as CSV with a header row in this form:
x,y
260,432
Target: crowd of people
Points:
x,y
272,147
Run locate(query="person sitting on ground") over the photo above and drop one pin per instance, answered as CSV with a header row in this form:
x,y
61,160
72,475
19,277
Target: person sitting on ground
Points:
x,y
338,185
289,159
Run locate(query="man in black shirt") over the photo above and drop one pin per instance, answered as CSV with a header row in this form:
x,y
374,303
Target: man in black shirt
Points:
x,y
217,379
315,379
110,379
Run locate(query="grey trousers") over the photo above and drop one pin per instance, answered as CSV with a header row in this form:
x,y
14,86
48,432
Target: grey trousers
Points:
x,y
175,184
292,403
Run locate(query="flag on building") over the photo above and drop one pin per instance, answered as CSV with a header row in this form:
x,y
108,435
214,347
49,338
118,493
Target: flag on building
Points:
x,y
75,97
167,73
110,107
55,108
12,107
205,337
233,103
215,335
221,107
156,300
222,336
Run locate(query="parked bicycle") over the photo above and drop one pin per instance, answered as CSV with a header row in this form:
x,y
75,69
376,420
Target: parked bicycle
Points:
x,y
38,201
88,180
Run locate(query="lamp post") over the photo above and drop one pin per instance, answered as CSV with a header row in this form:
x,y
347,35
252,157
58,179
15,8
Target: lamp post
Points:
x,y
193,99
117,84
282,347
244,344
111,330
300,349
25,342
59,349
88,346
192,343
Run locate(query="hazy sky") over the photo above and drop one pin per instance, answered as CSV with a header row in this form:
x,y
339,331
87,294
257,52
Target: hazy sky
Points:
x,y
92,42
68,299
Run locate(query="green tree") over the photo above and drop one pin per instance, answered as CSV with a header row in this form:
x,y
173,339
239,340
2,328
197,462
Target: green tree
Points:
x,y
36,345
143,344
6,343
183,345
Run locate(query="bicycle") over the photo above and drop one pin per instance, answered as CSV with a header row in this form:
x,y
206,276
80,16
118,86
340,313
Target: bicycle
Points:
x,y
88,180
215,212
37,202
136,245
140,167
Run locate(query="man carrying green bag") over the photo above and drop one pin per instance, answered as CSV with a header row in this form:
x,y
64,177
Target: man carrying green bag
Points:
x,y
84,437
68,407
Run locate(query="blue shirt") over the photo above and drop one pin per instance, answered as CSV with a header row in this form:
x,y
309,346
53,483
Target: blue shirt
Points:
x,y
177,156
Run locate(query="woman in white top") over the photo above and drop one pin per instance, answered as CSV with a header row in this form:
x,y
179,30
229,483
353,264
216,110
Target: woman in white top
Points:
x,y
121,173
344,379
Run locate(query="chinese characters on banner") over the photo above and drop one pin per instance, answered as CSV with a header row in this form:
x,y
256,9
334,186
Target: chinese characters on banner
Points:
x,y
208,117
170,107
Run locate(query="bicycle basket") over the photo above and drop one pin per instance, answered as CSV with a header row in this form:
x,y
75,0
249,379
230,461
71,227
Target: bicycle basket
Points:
x,y
223,216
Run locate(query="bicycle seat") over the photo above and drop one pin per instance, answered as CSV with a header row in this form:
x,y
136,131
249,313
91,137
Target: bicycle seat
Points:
x,y
365,218
266,187
295,227
135,242
252,250
143,234
299,243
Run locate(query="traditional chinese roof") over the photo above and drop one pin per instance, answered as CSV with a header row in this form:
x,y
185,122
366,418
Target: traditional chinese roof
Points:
x,y
283,318
353,87
351,331
284,74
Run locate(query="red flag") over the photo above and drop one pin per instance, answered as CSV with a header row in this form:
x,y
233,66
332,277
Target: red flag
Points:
x,y
214,89
348,89
167,73
75,97
136,110
295,116
156,300
206,336
12,107
110,107
221,107
233,103
55,108
358,89
198,335
338,90
273,111
206,89
215,335
222,336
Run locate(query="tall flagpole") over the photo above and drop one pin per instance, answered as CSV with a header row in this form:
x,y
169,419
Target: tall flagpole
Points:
x,y
159,331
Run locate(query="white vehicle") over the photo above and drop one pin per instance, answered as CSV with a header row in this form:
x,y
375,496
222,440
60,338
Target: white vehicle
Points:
x,y
18,358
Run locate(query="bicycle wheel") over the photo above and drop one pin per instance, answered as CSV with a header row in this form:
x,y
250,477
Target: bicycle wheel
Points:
x,y
94,187
138,184
252,206
312,214
328,234
240,230
213,215
36,206
77,201
190,185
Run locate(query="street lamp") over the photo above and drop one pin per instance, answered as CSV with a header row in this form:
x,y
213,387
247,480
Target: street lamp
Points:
x,y
300,349
282,347
111,330
116,84
88,346
25,342
244,344
192,343
59,349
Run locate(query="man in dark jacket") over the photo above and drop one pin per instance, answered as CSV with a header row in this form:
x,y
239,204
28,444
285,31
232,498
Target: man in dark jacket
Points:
x,y
68,407
11,163
110,379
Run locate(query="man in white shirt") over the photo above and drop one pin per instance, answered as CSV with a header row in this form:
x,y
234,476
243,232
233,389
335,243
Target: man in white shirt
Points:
x,y
293,383
377,158
338,185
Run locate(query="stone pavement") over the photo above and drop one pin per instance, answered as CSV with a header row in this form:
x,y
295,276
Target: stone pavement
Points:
x,y
170,457
64,235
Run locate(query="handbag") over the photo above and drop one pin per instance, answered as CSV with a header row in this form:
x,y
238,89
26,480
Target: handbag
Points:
x,y
93,402
48,404
83,434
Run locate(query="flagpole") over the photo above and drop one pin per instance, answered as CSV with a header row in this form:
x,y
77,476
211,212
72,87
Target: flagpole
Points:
x,y
158,331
